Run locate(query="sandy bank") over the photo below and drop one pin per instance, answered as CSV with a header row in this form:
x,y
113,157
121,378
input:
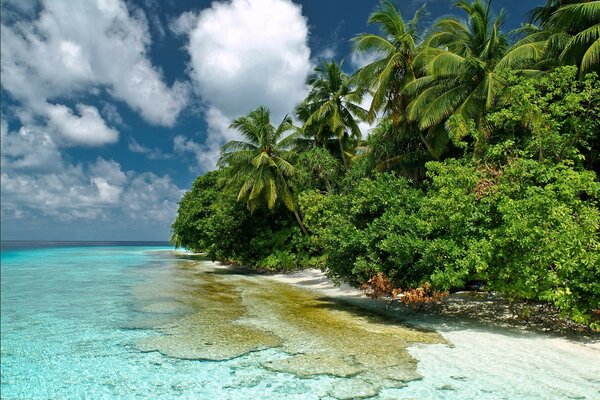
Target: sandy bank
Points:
x,y
485,357
460,309
488,354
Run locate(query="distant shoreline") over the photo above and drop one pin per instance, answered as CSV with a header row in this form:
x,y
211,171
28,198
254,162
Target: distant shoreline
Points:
x,y
33,244
84,241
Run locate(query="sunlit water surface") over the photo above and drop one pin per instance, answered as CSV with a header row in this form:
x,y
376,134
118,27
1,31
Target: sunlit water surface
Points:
x,y
139,322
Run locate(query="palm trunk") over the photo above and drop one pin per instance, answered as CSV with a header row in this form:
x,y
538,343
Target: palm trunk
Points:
x,y
427,145
324,177
300,222
327,184
342,153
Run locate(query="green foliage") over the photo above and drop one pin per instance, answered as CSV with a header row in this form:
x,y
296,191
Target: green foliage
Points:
x,y
546,247
576,35
463,64
317,168
351,228
190,226
397,149
211,220
334,107
529,229
259,167
396,49
554,117
511,202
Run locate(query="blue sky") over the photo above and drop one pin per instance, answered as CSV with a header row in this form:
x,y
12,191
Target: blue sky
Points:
x,y
111,108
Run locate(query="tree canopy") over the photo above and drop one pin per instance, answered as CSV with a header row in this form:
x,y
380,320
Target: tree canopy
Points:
x,y
482,166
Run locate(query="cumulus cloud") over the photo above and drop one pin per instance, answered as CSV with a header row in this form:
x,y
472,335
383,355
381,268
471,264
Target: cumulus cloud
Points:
x,y
245,53
85,128
74,48
40,187
27,149
201,152
65,64
111,114
184,24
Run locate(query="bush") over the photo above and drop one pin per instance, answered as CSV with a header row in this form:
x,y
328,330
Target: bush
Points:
x,y
528,229
350,229
211,220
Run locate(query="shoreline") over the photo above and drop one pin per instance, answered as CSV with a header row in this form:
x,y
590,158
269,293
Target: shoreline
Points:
x,y
485,312
480,356
460,312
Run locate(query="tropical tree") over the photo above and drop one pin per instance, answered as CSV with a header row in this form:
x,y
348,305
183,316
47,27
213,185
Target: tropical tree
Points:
x,y
542,14
463,62
395,49
313,135
260,165
398,150
333,105
575,34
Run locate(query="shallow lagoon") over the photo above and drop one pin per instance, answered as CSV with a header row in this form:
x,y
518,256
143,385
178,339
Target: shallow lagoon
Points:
x,y
139,322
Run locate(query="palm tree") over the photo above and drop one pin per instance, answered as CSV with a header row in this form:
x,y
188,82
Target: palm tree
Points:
x,y
333,104
261,165
397,150
463,62
543,13
395,48
396,65
575,34
315,135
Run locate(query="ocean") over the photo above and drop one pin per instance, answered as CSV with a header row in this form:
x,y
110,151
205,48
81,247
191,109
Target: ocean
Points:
x,y
134,320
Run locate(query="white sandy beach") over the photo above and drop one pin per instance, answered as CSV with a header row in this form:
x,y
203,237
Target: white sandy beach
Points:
x,y
481,357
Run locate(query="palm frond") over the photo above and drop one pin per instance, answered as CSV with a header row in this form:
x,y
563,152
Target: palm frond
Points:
x,y
373,43
521,54
576,16
591,58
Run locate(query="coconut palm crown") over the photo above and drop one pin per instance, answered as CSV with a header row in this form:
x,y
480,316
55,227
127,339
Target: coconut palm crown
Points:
x,y
576,35
260,164
334,102
394,49
463,62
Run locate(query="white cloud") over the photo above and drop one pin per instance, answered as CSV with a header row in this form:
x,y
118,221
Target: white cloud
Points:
x,y
112,115
245,53
327,54
40,187
184,24
201,152
27,149
73,48
109,171
58,59
359,59
151,197
88,128
72,194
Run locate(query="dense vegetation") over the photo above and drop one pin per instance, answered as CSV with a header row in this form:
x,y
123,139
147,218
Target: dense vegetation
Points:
x,y
482,167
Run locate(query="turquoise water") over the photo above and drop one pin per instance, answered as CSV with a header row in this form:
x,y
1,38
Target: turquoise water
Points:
x,y
65,313
69,332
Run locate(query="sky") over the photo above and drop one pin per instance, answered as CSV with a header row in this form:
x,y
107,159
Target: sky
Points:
x,y
111,108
